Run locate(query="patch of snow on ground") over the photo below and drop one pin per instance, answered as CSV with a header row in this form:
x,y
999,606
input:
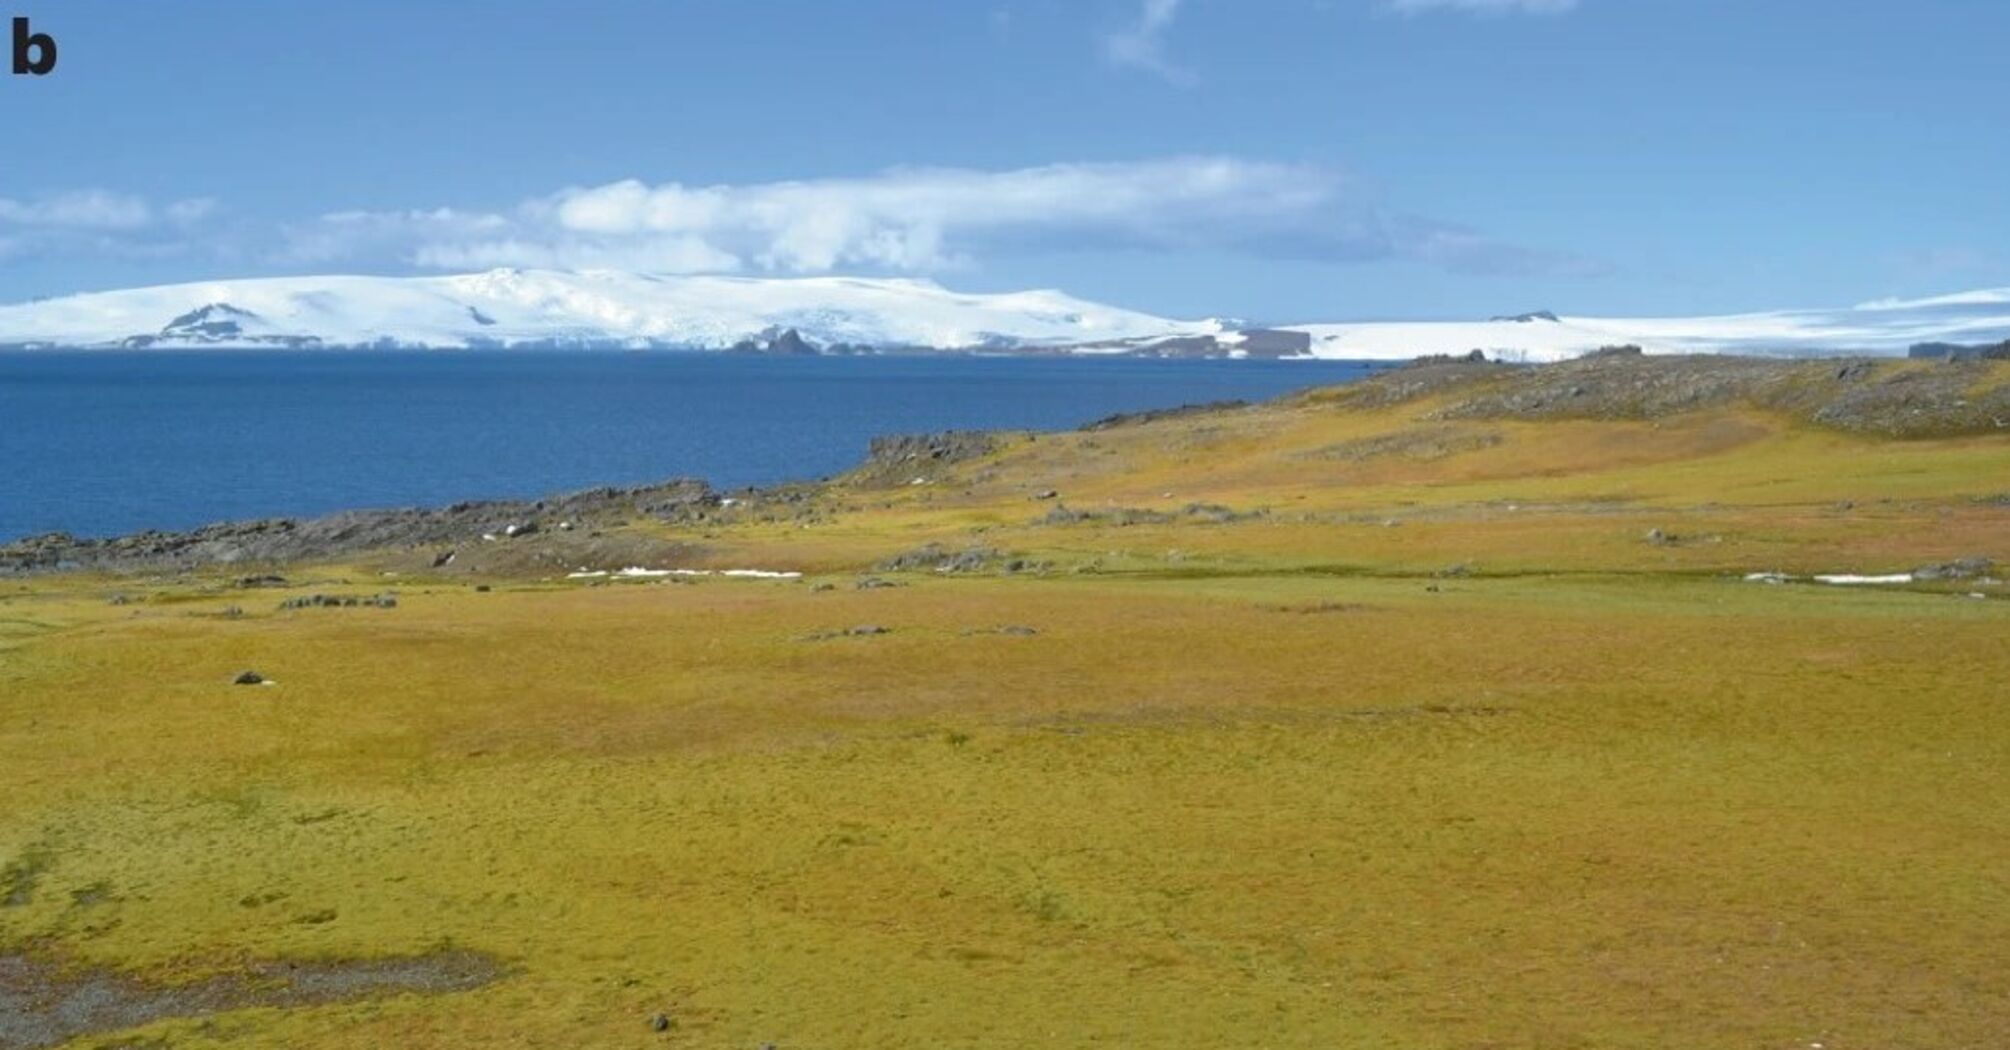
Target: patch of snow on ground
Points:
x,y
636,572
1835,579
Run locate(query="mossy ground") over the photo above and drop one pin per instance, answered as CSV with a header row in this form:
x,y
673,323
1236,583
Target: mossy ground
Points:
x,y
1279,781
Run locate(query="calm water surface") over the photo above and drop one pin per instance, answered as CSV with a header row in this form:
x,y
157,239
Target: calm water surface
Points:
x,y
104,443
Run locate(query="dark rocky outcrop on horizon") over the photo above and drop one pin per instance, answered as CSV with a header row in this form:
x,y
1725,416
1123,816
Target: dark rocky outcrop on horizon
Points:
x,y
1959,352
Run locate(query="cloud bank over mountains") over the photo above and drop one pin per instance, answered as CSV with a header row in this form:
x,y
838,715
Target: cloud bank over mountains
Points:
x,y
899,221
926,220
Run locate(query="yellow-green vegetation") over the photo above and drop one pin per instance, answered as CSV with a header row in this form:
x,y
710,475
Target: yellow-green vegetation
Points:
x,y
1325,723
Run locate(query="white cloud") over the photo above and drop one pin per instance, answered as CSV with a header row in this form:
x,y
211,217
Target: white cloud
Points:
x,y
99,222
925,218
1490,7
918,220
79,210
1141,44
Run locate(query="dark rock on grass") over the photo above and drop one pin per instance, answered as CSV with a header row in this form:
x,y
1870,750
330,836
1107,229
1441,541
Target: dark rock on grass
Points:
x,y
333,601
936,558
893,459
1216,514
1325,605
266,580
1009,630
1063,515
1960,569
1861,396
1131,419
659,1023
861,631
1208,513
248,678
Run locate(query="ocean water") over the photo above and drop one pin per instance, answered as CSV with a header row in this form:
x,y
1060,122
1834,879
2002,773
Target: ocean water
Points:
x,y
103,443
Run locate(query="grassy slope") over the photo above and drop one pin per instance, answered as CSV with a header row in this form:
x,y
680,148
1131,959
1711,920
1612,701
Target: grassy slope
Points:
x,y
1259,783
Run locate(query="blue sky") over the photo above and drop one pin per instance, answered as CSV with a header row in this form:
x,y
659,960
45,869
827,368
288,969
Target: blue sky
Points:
x,y
1272,159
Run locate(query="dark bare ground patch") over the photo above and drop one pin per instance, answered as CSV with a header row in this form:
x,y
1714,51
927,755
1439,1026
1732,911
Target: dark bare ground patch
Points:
x,y
1322,607
1078,723
44,1003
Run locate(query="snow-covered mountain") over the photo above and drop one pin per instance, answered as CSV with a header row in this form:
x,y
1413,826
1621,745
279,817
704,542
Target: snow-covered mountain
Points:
x,y
514,308
517,308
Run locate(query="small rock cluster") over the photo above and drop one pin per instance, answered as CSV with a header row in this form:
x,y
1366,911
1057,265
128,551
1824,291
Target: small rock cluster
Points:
x,y
1959,569
934,557
870,630
340,601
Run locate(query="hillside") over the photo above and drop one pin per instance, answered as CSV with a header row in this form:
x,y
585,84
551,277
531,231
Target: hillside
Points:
x,y
1625,703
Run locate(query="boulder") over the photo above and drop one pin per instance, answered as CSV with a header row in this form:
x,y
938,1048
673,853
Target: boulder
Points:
x,y
1959,569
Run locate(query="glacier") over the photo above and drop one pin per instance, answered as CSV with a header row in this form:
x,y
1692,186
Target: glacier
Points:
x,y
513,308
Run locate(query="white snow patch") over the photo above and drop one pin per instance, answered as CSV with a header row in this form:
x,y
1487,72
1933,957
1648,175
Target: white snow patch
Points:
x,y
636,572
1835,579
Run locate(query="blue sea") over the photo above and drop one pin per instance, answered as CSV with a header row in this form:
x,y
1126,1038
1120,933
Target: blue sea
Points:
x,y
104,443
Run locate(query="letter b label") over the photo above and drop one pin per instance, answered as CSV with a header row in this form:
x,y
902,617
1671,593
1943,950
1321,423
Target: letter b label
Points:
x,y
34,53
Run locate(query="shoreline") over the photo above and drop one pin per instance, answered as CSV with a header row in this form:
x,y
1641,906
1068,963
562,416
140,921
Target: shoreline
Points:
x,y
1875,397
